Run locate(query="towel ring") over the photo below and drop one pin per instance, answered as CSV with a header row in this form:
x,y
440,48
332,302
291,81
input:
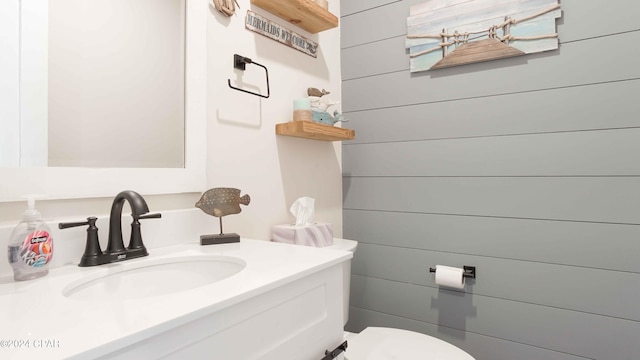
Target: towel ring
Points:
x,y
240,62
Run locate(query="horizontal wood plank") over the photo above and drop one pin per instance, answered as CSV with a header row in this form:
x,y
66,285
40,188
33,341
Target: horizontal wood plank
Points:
x,y
363,27
601,106
372,59
593,199
556,242
582,153
354,6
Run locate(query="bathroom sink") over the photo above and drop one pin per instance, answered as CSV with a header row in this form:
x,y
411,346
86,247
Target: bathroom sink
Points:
x,y
147,278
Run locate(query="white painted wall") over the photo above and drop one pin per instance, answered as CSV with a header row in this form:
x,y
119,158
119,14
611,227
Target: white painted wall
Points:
x,y
243,150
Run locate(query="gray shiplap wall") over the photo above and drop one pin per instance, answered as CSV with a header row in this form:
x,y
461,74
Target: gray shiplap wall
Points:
x,y
527,168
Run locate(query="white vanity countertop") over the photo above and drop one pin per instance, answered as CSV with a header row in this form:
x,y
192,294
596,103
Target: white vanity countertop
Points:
x,y
37,321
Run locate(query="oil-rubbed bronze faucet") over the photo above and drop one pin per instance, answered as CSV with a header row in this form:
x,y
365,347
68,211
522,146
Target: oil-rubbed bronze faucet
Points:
x,y
115,250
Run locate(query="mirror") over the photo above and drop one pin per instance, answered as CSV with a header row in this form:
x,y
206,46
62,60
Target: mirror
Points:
x,y
188,76
96,87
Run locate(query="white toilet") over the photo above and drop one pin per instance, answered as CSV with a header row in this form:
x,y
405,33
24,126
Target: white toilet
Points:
x,y
380,343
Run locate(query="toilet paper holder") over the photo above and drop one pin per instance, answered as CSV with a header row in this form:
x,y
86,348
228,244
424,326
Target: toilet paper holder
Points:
x,y
469,271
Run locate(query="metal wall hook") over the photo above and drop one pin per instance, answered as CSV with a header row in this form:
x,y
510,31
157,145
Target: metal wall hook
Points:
x,y
240,62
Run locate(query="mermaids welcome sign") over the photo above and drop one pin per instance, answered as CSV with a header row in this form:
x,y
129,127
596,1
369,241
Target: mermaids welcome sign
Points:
x,y
272,30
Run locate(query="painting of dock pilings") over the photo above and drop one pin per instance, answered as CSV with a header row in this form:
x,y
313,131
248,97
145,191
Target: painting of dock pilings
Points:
x,y
445,33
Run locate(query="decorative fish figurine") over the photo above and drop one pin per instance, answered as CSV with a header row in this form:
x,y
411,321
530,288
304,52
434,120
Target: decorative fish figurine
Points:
x,y
222,201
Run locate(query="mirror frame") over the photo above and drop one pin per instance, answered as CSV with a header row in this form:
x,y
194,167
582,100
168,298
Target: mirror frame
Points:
x,y
70,183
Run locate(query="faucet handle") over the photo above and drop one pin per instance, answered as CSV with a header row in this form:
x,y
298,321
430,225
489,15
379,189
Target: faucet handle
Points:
x,y
92,249
135,243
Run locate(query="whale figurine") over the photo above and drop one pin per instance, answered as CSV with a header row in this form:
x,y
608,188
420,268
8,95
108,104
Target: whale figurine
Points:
x,y
324,117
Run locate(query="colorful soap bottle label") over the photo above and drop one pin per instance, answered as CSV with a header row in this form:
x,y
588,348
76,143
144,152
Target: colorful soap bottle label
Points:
x,y
37,249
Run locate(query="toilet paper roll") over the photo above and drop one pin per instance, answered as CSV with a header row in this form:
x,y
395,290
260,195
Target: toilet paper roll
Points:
x,y
449,276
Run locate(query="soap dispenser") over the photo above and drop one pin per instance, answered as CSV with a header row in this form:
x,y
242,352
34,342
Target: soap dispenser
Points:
x,y
30,245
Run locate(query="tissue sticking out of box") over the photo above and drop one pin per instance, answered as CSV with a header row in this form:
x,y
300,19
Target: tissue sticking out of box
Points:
x,y
303,209
305,231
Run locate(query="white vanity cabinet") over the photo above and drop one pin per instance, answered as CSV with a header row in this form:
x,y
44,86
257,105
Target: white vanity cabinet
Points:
x,y
285,303
298,320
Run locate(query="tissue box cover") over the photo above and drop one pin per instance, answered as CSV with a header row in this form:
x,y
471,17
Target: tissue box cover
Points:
x,y
318,234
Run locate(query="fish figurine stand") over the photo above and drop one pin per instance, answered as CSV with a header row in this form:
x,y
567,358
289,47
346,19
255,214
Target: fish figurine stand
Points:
x,y
220,202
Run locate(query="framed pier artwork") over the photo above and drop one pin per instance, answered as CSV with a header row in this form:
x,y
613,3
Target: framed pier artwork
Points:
x,y
445,33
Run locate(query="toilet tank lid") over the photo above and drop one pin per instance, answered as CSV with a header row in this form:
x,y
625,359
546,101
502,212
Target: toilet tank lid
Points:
x,y
379,343
342,244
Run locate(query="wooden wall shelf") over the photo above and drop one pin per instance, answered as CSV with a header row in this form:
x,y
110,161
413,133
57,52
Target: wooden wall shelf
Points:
x,y
314,131
303,13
